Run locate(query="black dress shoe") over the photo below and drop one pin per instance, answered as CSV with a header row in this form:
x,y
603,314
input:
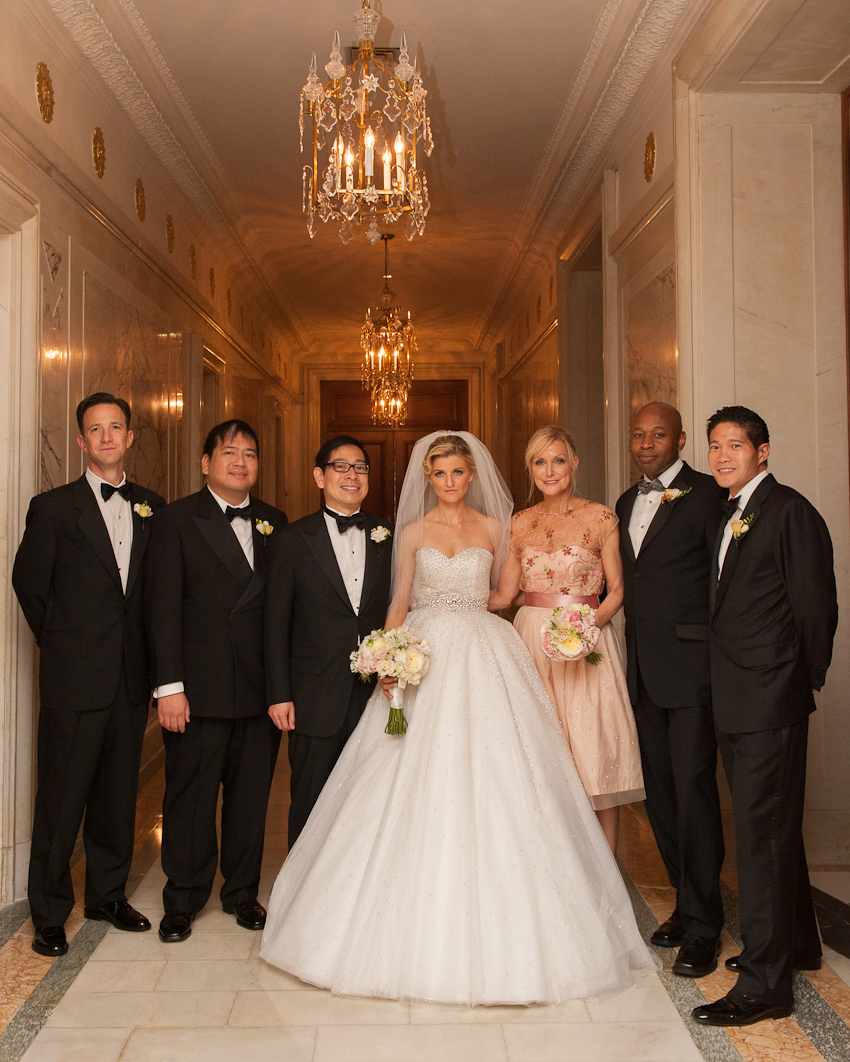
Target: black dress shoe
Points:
x,y
249,913
120,914
175,926
737,1009
50,941
697,956
732,963
669,934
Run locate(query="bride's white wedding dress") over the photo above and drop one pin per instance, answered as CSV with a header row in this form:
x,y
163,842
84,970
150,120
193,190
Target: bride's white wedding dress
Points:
x,y
461,863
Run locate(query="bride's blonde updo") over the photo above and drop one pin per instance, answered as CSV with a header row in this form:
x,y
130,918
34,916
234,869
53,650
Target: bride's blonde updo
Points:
x,y
448,446
541,440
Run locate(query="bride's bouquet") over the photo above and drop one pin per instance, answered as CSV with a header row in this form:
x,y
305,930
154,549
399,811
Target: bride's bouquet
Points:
x,y
398,654
570,633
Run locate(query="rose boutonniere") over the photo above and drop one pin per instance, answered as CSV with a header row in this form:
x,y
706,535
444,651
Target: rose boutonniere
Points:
x,y
741,527
143,510
673,494
264,527
379,534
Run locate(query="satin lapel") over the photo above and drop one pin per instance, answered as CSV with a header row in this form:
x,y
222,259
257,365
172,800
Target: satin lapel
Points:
x,y
712,591
92,525
216,529
258,578
625,537
665,509
373,559
736,545
141,537
319,541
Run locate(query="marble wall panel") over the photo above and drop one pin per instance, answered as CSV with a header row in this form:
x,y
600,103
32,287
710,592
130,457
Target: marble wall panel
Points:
x,y
126,351
650,343
55,276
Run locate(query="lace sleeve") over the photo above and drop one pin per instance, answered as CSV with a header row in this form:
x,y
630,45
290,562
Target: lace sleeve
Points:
x,y
606,521
519,524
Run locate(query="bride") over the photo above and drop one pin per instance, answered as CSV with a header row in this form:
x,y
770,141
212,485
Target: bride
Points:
x,y
461,863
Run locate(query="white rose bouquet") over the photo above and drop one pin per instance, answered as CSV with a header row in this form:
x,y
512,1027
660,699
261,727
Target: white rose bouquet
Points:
x,y
571,633
398,654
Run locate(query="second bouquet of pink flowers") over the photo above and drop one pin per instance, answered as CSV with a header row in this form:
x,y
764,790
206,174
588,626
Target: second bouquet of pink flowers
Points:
x,y
397,653
571,633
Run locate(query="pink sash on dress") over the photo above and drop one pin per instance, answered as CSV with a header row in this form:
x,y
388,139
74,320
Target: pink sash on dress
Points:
x,y
554,600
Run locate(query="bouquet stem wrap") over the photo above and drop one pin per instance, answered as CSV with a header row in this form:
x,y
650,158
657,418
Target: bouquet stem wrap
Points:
x,y
396,724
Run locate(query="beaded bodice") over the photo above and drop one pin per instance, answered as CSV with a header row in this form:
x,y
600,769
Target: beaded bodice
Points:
x,y
458,583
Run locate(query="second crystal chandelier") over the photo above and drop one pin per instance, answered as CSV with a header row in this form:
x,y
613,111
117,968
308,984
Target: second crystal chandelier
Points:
x,y
388,346
367,120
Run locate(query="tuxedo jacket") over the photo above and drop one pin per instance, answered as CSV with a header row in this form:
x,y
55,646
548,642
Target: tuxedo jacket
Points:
x,y
205,614
666,592
311,628
69,587
774,614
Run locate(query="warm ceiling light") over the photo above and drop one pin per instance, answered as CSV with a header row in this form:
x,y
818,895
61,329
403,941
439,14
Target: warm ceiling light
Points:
x,y
368,107
388,346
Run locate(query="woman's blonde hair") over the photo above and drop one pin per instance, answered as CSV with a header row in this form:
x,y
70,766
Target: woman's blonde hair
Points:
x,y
541,440
448,446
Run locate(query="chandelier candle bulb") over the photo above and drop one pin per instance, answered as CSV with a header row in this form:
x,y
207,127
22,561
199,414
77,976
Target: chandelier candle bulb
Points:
x,y
387,159
370,152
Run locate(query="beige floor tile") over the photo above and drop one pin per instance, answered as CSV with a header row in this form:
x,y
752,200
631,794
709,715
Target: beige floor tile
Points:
x,y
119,976
214,920
249,975
434,1014
614,1042
839,963
199,946
314,1008
647,1001
220,1045
78,1045
82,1010
410,1043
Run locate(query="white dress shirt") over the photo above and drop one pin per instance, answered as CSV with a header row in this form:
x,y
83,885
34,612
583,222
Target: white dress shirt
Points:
x,y
118,517
244,531
350,552
646,506
744,496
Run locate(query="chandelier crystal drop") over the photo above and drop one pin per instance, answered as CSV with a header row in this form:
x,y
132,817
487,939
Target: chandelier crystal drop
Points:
x,y
388,346
368,123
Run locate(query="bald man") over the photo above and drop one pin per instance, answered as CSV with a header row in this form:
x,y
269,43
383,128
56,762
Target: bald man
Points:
x,y
668,524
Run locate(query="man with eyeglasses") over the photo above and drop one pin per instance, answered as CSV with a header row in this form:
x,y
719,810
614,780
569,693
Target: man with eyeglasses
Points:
x,y
329,585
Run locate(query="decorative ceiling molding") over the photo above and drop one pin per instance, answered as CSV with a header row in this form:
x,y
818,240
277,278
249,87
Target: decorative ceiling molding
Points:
x,y
536,237
86,27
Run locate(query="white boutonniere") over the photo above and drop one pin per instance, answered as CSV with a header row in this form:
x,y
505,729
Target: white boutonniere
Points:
x,y
380,533
741,527
264,527
143,510
673,494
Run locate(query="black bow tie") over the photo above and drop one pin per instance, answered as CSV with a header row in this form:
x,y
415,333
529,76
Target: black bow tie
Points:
x,y
646,485
343,523
107,490
731,506
243,514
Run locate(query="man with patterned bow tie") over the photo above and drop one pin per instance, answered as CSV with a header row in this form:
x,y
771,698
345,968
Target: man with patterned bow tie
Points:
x,y
78,578
329,586
773,617
207,583
669,519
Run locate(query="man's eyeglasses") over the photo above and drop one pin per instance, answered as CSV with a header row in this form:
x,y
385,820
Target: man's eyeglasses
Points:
x,y
360,467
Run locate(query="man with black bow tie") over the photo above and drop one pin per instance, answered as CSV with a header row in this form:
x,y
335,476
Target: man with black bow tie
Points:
x,y
206,588
669,518
78,578
773,617
328,587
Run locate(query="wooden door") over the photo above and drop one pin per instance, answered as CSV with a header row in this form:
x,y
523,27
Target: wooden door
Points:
x,y
434,405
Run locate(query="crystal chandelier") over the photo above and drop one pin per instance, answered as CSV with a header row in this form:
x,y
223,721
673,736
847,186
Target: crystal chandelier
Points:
x,y
388,345
368,120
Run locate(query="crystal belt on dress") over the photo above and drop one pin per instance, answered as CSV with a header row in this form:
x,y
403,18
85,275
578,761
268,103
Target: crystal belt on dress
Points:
x,y
453,603
554,600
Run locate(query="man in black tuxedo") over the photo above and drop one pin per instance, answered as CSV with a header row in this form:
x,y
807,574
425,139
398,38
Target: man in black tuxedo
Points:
x,y
77,577
329,587
666,542
773,618
206,588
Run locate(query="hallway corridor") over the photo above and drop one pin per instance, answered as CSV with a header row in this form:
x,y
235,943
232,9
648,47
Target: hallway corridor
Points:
x,y
120,996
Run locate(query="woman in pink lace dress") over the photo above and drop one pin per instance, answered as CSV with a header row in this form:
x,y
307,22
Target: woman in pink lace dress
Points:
x,y
565,549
